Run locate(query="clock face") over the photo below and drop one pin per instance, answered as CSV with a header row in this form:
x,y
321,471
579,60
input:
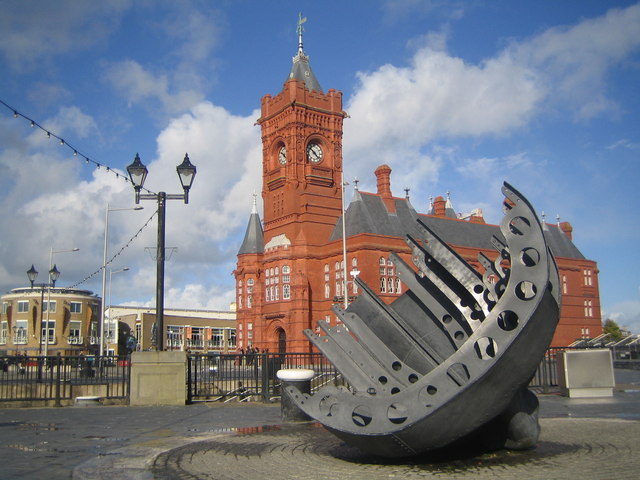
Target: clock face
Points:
x,y
314,152
282,155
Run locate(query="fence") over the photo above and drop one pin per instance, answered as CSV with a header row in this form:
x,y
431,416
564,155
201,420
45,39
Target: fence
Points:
x,y
60,379
221,377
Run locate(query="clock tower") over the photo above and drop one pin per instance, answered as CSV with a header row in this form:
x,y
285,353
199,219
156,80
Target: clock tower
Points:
x,y
302,156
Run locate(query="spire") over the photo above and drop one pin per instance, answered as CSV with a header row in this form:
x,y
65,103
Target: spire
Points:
x,y
301,70
254,236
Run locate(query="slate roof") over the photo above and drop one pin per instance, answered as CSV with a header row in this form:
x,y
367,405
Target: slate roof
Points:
x,y
254,236
367,213
301,71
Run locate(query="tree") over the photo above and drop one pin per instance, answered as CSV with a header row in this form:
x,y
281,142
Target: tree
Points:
x,y
612,328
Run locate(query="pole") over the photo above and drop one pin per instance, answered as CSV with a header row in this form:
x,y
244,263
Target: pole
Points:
x,y
104,280
162,197
345,293
46,330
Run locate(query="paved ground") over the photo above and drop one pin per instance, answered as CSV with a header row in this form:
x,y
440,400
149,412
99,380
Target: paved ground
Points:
x,y
590,438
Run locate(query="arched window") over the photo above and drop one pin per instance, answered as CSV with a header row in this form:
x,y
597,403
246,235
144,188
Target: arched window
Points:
x,y
338,289
276,271
285,269
248,301
354,262
382,261
398,289
383,285
286,291
326,267
327,290
390,285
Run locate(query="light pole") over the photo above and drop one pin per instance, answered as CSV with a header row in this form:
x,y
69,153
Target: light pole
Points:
x,y
138,173
104,268
111,272
54,273
32,274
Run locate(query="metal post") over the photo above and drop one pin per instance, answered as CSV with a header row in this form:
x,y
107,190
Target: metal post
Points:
x,y
160,272
104,280
46,335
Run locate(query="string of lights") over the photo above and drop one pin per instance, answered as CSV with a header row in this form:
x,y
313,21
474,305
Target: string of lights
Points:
x,y
99,270
63,142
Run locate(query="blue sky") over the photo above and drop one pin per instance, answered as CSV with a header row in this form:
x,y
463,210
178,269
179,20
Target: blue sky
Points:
x,y
455,96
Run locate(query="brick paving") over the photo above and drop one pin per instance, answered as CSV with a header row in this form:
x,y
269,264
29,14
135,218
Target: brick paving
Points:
x,y
581,438
569,448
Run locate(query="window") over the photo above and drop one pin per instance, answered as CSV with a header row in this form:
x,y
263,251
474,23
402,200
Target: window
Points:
x,y
584,332
338,289
48,335
276,292
564,284
197,337
20,332
588,308
276,271
398,289
4,330
217,338
588,280
327,291
383,285
175,336
5,307
75,337
248,301
240,301
390,285
354,262
383,262
286,269
76,307
326,267
250,282
52,305
286,291
23,306
232,337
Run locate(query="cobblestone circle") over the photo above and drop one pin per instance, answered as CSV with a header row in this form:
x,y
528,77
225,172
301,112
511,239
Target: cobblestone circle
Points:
x,y
588,449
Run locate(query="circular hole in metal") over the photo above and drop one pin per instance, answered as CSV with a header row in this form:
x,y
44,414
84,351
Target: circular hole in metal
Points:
x,y
328,406
395,390
478,288
413,378
519,226
507,320
361,416
447,319
397,413
382,379
526,290
459,373
371,391
476,315
459,335
530,257
486,348
425,396
396,366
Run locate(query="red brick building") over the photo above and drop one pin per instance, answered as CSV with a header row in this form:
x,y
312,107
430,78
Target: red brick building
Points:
x,y
291,271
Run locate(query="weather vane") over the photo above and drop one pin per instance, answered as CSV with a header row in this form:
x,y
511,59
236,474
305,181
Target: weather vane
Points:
x,y
300,29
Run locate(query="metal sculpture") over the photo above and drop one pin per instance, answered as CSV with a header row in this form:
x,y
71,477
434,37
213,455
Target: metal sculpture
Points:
x,y
452,356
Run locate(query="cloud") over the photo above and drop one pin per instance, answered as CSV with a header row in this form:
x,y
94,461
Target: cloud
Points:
x,y
49,208
138,85
34,32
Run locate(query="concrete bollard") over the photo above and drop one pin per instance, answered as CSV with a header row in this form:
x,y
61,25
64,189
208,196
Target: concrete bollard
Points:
x,y
301,379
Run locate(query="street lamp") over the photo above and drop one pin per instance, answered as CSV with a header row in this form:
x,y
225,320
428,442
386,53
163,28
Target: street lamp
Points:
x,y
104,269
111,272
54,274
138,173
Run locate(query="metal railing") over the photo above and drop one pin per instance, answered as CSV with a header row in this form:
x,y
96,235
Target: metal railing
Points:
x,y
227,377
57,378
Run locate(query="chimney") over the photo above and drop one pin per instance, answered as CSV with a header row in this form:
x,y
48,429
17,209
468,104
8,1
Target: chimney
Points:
x,y
439,206
567,229
383,174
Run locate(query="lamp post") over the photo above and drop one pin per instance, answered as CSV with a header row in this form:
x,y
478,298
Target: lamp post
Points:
x,y
138,173
54,273
32,274
111,272
104,269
